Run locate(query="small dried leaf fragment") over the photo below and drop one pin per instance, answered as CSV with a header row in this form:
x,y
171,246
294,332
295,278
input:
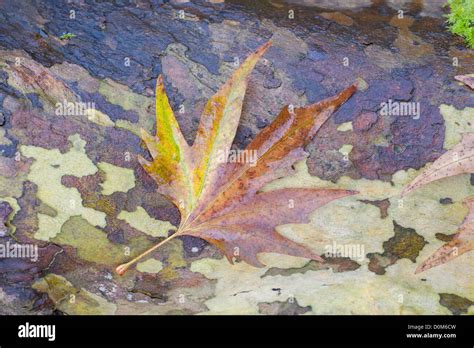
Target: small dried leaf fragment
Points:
x,y
458,160
462,242
468,80
220,201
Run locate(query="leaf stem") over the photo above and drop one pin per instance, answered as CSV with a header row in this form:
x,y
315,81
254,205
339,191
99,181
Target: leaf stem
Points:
x,y
125,266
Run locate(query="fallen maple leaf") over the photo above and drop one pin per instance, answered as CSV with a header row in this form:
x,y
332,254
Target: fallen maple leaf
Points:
x,y
458,160
462,242
220,202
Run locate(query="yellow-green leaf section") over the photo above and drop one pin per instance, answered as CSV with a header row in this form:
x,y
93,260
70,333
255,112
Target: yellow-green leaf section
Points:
x,y
219,123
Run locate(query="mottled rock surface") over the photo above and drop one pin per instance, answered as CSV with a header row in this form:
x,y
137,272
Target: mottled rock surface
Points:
x,y
70,183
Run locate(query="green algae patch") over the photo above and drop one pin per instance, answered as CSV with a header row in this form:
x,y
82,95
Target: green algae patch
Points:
x,y
93,245
174,259
117,179
72,301
405,244
57,287
48,168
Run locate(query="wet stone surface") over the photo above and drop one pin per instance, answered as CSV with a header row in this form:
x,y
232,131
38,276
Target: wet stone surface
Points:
x,y
70,183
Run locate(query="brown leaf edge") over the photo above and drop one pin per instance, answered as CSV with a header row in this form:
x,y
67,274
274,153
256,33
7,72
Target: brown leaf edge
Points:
x,y
462,242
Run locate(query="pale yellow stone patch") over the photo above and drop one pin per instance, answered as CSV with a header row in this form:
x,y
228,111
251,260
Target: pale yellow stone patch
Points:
x,y
117,179
140,220
129,126
346,149
345,127
362,85
241,287
46,172
3,139
457,122
99,118
150,266
118,94
276,260
344,221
